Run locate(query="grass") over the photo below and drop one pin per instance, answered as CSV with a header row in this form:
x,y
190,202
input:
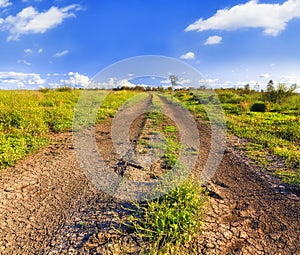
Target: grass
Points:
x,y
169,223
28,117
166,225
276,131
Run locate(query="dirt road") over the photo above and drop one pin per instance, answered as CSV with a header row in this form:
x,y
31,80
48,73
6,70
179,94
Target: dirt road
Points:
x,y
47,205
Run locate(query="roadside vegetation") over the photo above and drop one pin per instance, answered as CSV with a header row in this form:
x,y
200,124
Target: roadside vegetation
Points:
x,y
269,121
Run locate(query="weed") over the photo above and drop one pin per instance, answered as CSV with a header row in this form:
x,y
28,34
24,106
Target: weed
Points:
x,y
170,222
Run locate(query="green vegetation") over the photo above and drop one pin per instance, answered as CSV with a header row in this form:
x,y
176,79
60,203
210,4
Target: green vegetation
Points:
x,y
168,224
27,118
270,126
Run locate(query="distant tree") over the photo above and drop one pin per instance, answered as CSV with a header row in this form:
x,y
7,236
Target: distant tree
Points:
x,y
270,86
257,86
282,92
173,79
247,89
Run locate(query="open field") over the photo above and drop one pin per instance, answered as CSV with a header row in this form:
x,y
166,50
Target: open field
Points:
x,y
28,117
242,210
275,132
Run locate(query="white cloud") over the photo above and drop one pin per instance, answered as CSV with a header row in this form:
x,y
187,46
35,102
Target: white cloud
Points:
x,y
213,40
76,79
60,54
5,3
265,76
289,79
272,18
188,55
28,51
10,80
40,50
30,21
22,61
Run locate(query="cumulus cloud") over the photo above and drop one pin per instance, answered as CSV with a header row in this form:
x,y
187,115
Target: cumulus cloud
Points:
x,y
76,79
188,55
272,18
60,54
11,80
213,40
30,21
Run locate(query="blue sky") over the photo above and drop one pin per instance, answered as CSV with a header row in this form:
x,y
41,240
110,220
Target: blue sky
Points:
x,y
231,42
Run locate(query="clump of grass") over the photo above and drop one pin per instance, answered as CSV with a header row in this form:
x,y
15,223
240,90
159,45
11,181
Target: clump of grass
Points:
x,y
169,223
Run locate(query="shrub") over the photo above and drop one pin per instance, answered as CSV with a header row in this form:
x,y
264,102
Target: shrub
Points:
x,y
259,107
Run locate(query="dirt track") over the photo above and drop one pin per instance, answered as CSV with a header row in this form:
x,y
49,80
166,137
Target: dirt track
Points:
x,y
49,207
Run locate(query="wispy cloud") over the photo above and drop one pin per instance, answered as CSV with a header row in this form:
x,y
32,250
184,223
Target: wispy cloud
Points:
x,y
60,54
5,3
30,21
188,55
28,51
213,40
272,18
23,61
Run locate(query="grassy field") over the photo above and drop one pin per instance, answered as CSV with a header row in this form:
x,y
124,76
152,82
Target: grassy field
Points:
x,y
28,117
274,129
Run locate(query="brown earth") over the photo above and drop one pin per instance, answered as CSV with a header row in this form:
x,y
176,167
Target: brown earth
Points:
x,y
48,206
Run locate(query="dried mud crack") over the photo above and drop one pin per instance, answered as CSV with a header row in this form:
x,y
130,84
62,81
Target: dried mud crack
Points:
x,y
48,206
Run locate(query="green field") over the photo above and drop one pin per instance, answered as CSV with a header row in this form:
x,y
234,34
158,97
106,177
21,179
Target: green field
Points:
x,y
272,130
28,117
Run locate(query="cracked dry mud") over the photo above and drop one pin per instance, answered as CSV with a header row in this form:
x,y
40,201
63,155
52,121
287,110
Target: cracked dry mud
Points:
x,y
47,205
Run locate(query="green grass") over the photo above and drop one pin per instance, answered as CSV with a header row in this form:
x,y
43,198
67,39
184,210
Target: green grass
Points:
x,y
276,131
168,224
28,117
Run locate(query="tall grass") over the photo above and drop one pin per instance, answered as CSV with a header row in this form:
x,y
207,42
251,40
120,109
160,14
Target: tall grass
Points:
x,y
28,117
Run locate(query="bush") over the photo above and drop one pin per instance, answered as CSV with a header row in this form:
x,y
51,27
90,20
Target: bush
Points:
x,y
259,107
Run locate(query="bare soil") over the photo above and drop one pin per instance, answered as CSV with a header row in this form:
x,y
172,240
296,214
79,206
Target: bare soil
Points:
x,y
48,206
